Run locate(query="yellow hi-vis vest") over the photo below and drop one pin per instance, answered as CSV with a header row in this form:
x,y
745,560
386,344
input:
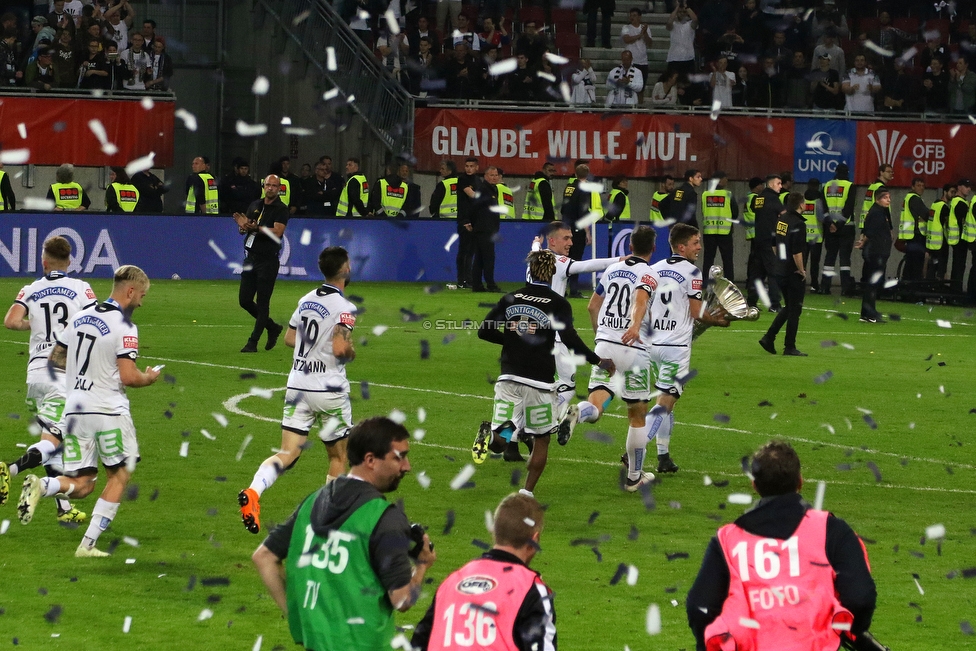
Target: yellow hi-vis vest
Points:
x,y
67,196
809,211
934,237
127,196
969,225
506,199
284,192
533,208
392,197
836,193
656,214
2,205
448,207
210,202
749,217
717,212
954,228
906,224
783,196
625,214
868,202
344,208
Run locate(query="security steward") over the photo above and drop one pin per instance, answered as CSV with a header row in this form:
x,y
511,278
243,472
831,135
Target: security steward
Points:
x,y
719,212
539,201
813,215
202,197
506,198
120,195
577,204
661,200
355,193
936,242
749,217
789,249
444,200
875,245
391,196
684,204
67,194
960,237
911,231
8,202
767,207
839,231
812,558
618,203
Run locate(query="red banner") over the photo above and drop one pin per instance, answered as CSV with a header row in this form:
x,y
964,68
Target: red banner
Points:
x,y
631,145
57,129
939,153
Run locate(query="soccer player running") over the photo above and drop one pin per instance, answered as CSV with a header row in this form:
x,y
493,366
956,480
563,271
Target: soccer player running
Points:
x,y
676,304
610,313
524,323
44,307
320,331
98,349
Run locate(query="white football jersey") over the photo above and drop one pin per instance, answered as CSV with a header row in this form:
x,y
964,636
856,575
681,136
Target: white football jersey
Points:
x,y
314,367
618,286
51,301
96,339
566,267
671,321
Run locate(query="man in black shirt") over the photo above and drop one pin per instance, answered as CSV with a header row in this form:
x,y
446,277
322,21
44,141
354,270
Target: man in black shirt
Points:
x,y
684,205
524,323
788,249
260,269
484,226
237,190
875,245
465,227
577,204
767,207
151,190
320,192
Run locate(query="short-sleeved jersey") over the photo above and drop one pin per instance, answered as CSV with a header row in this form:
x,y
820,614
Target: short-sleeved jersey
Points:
x,y
566,267
678,280
51,301
319,313
619,286
96,339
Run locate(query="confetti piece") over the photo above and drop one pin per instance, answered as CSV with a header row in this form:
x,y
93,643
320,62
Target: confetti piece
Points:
x,y
820,379
364,390
398,417
257,643
424,349
762,294
599,437
246,130
330,94
632,575
588,220
449,523
140,164
935,532
189,120
147,103
740,498
206,613
419,434
966,628
261,85
270,234
848,346
330,61
39,203
653,620
466,473
943,324
870,421
423,479
379,330
480,544
391,22
721,418
707,480
217,250
208,435
503,67
421,414
97,128
819,499
4,526
22,130
14,156
591,186
130,561
220,418
184,448
306,237
919,586
716,109
619,574
246,442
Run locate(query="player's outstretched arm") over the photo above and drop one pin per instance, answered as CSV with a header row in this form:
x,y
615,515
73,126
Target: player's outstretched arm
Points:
x,y
131,376
342,346
16,318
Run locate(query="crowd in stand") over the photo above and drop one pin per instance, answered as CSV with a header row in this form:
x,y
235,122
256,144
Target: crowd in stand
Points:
x,y
746,53
97,46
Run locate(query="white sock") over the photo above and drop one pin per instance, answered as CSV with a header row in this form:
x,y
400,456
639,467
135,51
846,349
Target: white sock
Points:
x,y
101,517
655,420
587,413
564,399
46,448
664,433
636,449
55,463
266,475
50,486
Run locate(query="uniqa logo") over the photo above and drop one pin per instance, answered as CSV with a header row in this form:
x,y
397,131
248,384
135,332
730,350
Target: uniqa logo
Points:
x,y
885,148
476,585
821,144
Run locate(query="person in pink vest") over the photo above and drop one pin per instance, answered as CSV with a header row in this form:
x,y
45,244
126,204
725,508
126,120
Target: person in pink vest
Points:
x,y
495,602
783,575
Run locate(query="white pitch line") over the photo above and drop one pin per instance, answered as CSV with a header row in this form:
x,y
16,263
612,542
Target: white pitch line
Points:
x,y
733,330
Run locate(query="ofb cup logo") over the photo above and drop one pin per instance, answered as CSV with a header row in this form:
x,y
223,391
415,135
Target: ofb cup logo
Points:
x,y
887,148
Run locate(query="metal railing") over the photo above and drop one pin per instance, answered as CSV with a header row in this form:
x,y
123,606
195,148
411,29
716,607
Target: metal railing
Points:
x,y
368,88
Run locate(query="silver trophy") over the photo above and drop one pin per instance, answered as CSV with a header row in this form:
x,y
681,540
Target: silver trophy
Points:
x,y
722,294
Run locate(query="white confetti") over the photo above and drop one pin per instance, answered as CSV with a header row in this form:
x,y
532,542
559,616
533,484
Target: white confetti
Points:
x,y
762,294
296,21
140,164
217,250
935,531
147,103
330,94
451,240
189,120
545,75
206,613
588,219
22,130
391,22
565,92
632,575
257,643
401,642
355,620
943,324
740,498
379,330
261,85
127,624
890,283
954,130
129,540
716,109
748,623
708,480
208,435
130,561
246,130
421,414
109,149
184,448
220,418
591,186
871,45
503,67
908,54
97,128
14,156
330,60
329,427
286,121
260,392
773,416
38,203
653,621
972,118
306,237
555,59
864,411
398,417
848,346
246,442
423,479
529,522
818,500
489,521
830,428
270,234
849,425
466,473
918,585
941,388
4,526
911,426
419,434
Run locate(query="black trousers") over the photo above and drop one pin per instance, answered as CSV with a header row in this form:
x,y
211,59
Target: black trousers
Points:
x,y
719,244
838,244
465,254
938,263
914,260
811,261
762,266
591,19
257,285
576,253
793,290
484,259
873,264
960,254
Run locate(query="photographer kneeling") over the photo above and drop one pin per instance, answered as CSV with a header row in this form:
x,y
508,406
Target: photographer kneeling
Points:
x,y
345,550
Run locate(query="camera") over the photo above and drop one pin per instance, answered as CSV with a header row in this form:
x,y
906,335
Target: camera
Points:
x,y
417,532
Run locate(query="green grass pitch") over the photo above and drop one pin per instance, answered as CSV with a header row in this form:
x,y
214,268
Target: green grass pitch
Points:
x,y
915,376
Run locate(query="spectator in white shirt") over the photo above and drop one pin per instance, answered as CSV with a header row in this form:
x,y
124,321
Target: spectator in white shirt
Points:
x,y
682,23
584,83
860,85
665,91
636,37
624,82
136,62
722,80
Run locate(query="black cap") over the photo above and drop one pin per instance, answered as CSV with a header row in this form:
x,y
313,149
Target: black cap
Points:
x,y
965,182
843,168
754,181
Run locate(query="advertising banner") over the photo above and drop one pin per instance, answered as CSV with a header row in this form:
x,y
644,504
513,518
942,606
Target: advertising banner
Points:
x,y
939,153
56,130
209,248
819,146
